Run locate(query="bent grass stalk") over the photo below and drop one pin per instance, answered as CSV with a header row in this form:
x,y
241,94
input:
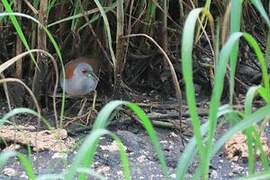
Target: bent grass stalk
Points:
x,y
104,116
8,63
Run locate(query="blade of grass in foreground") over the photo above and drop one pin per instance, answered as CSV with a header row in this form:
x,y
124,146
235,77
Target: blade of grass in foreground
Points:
x,y
186,54
50,177
187,46
235,22
60,176
252,91
253,136
262,176
20,111
219,80
258,4
242,125
26,164
104,116
189,153
85,155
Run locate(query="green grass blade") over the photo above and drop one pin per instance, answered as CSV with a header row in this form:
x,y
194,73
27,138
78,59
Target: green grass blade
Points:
x,y
104,116
235,22
186,52
107,28
253,136
105,113
50,177
259,146
91,172
188,155
247,123
85,155
152,135
219,81
242,125
150,17
252,91
26,164
260,56
262,176
258,4
76,21
248,111
18,28
190,150
79,15
16,111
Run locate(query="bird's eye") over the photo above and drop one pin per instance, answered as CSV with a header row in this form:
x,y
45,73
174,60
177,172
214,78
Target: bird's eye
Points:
x,y
84,71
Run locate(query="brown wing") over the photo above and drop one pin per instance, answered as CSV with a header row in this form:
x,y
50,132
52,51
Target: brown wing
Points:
x,y
69,69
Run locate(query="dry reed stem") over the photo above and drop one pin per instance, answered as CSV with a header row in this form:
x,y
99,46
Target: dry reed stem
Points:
x,y
6,92
8,63
26,87
173,73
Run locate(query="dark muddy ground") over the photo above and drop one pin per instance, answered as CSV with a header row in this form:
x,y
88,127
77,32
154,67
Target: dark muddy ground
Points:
x,y
143,161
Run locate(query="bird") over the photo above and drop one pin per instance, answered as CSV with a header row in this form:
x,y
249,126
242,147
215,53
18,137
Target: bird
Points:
x,y
81,78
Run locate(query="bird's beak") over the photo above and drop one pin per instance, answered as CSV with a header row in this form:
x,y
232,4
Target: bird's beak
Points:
x,y
92,75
